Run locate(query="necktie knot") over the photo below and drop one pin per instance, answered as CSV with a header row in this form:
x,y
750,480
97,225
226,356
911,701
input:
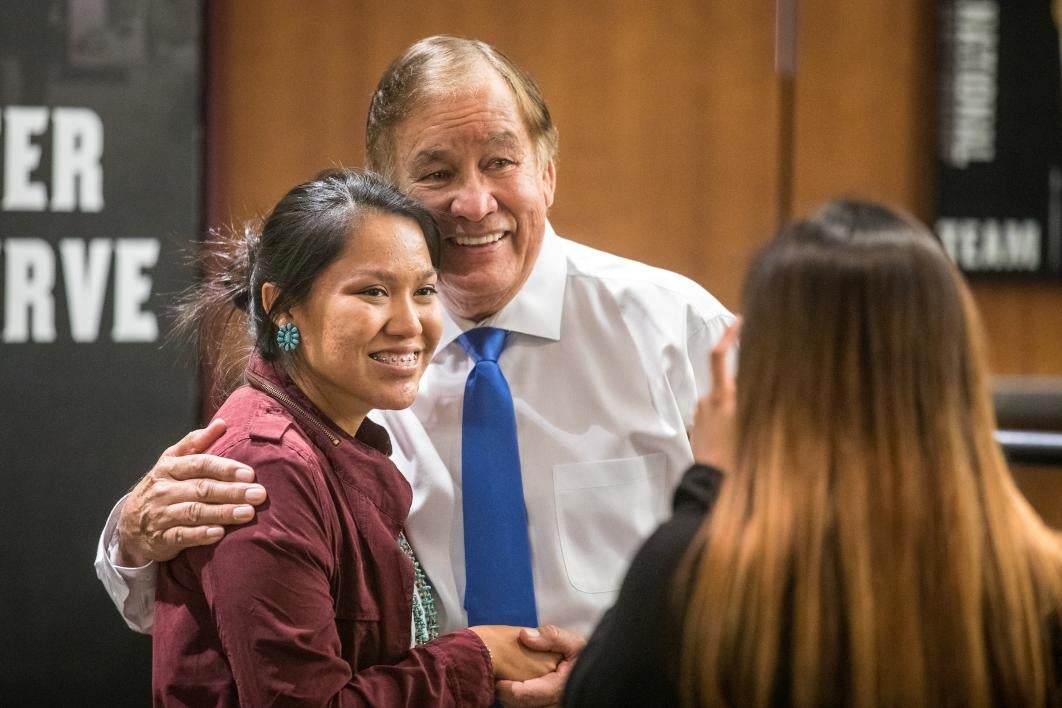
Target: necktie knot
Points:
x,y
484,343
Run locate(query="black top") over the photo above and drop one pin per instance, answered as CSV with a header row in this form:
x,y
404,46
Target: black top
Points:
x,y
631,657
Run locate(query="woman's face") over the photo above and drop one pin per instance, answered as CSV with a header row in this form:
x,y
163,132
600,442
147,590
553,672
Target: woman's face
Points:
x,y
371,321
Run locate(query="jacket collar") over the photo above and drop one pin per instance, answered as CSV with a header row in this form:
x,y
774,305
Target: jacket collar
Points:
x,y
360,461
369,434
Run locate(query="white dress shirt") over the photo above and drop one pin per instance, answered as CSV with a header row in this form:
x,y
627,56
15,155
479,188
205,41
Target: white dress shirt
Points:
x,y
606,360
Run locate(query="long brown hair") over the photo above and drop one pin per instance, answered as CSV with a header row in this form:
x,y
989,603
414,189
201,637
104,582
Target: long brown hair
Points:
x,y
870,547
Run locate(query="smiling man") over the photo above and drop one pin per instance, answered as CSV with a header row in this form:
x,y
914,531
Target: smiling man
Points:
x,y
604,359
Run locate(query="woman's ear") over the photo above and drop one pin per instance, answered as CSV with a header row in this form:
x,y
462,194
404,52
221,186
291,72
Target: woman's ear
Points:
x,y
270,293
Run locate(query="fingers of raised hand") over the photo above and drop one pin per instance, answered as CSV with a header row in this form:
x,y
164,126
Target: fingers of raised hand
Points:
x,y
159,529
722,381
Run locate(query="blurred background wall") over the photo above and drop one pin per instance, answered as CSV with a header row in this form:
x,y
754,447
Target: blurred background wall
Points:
x,y
671,118
681,145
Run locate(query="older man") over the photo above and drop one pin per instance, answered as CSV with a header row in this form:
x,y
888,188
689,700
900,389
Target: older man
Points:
x,y
603,357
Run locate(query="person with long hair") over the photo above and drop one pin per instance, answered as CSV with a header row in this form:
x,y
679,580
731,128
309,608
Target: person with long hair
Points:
x,y
320,600
852,536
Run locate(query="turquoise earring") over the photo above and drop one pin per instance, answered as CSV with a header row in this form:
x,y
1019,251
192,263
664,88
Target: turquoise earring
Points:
x,y
288,337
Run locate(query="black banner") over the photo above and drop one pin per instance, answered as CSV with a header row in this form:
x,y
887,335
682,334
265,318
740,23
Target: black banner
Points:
x,y
1000,181
100,138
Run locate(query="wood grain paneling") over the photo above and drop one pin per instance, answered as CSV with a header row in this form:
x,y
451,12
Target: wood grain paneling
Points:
x,y
669,119
864,102
1024,325
865,111
1042,486
667,112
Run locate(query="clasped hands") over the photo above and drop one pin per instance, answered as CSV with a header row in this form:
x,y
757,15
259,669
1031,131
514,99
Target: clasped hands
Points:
x,y
531,665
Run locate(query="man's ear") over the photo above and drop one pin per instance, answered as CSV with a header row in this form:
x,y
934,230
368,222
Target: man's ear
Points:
x,y
549,181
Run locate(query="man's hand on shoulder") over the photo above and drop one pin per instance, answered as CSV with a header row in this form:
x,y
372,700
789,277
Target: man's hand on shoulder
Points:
x,y
544,691
185,500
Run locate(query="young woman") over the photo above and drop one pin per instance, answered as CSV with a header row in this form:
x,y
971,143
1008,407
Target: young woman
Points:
x,y
868,546
319,600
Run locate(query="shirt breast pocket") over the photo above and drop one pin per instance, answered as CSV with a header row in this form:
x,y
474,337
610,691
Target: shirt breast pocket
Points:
x,y
605,510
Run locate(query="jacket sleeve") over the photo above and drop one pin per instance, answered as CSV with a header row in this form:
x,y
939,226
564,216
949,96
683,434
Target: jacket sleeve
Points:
x,y
268,587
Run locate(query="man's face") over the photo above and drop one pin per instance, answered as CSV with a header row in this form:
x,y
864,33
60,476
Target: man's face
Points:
x,y
469,157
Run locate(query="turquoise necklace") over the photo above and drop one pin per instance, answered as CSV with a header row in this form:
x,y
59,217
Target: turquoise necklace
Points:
x,y
425,617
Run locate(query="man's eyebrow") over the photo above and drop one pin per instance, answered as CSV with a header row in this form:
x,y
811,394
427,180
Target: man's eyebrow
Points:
x,y
505,139
426,157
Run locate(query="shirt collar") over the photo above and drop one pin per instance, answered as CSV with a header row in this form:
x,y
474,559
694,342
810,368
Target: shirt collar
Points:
x,y
537,307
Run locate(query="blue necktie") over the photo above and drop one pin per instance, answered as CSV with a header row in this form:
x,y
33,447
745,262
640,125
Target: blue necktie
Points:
x,y
498,583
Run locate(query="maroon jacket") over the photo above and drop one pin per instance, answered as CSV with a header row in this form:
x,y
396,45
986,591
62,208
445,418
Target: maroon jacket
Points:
x,y
310,603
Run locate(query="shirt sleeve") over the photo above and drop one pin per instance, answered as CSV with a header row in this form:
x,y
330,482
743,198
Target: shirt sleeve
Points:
x,y
268,589
132,590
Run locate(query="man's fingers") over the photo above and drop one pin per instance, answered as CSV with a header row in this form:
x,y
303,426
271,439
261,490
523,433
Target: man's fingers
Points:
x,y
549,637
544,690
540,639
536,693
200,514
197,440
187,536
167,516
204,467
207,492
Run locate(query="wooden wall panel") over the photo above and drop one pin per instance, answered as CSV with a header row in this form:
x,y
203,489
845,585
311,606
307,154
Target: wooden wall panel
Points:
x,y
1024,324
1043,487
865,113
667,112
864,102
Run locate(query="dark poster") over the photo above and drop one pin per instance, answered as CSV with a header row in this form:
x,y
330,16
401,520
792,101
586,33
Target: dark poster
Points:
x,y
1000,180
99,198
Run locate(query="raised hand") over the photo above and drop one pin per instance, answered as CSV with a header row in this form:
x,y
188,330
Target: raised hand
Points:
x,y
712,435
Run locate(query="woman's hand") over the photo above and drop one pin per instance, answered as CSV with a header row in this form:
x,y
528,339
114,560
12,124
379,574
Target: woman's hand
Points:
x,y
544,691
712,435
512,660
